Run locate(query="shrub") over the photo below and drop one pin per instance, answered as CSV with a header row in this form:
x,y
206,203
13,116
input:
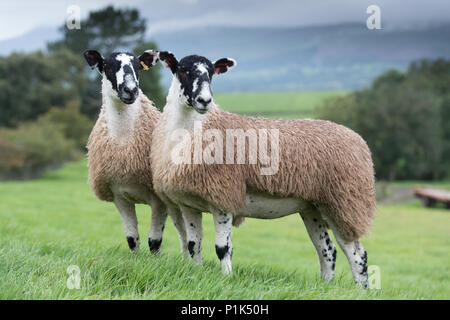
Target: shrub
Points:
x,y
74,125
31,83
32,148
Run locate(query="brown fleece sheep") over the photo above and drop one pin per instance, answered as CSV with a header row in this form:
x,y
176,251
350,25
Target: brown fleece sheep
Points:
x,y
325,172
110,162
320,161
120,143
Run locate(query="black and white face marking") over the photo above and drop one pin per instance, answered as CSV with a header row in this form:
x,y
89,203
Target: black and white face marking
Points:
x,y
121,70
194,74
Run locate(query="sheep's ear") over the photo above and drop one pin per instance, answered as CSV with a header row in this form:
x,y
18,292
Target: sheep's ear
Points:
x,y
94,59
223,65
168,60
148,59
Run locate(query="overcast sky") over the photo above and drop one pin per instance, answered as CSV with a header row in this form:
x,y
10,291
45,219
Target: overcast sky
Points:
x,y
18,17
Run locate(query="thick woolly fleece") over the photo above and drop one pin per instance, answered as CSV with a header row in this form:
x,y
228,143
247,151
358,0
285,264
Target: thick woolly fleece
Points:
x,y
320,161
112,161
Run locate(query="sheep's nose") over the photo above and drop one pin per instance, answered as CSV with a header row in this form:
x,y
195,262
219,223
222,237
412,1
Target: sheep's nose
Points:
x,y
130,91
203,101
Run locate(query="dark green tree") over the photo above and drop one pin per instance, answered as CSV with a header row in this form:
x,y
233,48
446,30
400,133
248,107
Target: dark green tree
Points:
x,y
445,125
30,84
106,30
404,119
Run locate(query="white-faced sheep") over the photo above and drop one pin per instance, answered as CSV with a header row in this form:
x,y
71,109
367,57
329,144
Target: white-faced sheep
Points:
x,y
119,146
323,170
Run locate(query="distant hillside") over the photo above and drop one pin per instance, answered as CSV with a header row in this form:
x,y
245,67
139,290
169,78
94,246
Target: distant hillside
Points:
x,y
332,57
308,58
33,40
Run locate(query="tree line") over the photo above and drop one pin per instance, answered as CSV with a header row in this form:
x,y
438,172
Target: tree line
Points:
x,y
50,98
405,119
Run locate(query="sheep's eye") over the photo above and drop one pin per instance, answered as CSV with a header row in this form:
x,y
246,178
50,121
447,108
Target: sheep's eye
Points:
x,y
182,75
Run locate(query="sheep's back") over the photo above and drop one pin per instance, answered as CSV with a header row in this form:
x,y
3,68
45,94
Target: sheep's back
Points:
x,y
320,161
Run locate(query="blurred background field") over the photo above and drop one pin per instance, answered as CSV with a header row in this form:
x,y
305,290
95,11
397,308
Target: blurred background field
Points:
x,y
286,104
392,86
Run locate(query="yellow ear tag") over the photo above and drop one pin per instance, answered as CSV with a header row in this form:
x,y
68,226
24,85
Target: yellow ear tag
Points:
x,y
144,65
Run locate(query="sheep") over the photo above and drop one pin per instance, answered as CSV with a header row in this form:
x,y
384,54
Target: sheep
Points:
x,y
323,171
119,146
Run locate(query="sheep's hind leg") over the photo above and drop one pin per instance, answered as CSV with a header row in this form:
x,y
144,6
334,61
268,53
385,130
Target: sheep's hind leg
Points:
x,y
224,246
159,217
194,233
178,221
129,221
326,251
356,256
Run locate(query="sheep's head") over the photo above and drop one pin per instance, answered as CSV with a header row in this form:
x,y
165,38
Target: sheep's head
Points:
x,y
121,71
194,74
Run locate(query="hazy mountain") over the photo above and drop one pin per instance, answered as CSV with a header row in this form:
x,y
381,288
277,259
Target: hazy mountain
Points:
x,y
344,56
33,40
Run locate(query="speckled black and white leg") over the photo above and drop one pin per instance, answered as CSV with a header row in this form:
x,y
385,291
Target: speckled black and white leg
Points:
x,y
178,222
159,217
129,222
326,251
357,257
355,253
194,233
224,246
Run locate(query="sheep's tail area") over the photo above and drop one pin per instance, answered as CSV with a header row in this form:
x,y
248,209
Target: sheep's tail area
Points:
x,y
238,221
352,219
349,197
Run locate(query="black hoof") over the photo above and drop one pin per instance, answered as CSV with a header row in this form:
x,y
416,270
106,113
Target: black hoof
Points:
x,y
131,243
154,245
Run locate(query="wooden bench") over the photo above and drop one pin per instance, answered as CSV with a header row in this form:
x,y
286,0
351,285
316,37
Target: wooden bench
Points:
x,y
431,196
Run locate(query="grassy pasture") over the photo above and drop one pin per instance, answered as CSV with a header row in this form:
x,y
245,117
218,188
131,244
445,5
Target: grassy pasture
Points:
x,y
54,222
287,104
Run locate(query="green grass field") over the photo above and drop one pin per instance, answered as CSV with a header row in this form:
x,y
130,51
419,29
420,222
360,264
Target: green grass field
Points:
x,y
54,222
275,104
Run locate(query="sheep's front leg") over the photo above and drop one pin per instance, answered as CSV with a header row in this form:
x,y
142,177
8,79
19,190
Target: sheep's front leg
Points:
x,y
129,221
178,222
194,233
159,217
224,246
